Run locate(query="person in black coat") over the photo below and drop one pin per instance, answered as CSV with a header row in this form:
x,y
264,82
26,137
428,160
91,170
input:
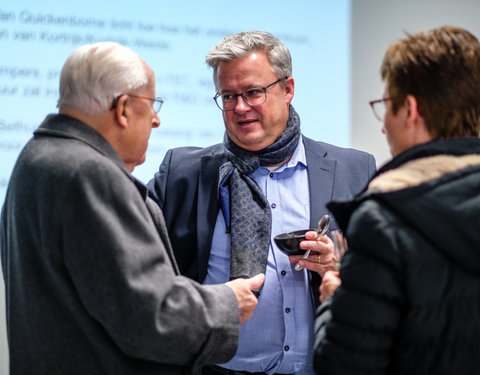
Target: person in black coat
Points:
x,y
409,297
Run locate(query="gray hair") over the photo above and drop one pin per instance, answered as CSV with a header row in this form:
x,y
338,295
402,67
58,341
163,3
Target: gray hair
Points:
x,y
238,45
95,74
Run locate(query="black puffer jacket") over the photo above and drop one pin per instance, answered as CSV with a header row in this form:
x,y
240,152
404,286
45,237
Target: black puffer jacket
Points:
x,y
410,296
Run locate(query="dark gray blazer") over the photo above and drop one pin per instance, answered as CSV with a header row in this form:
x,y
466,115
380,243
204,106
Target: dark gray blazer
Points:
x,y
185,187
91,283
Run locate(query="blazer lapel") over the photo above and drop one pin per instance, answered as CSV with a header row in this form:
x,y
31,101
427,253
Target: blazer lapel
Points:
x,y
321,175
207,208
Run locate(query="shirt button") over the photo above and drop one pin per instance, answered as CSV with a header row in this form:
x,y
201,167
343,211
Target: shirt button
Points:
x,y
273,205
283,273
286,348
287,310
271,174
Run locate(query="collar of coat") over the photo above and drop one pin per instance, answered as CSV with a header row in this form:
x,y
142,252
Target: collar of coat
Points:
x,y
418,171
417,165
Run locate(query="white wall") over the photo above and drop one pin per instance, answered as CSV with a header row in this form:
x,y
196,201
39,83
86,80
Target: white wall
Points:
x,y
377,23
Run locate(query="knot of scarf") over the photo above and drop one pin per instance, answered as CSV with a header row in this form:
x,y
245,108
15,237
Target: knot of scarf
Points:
x,y
244,206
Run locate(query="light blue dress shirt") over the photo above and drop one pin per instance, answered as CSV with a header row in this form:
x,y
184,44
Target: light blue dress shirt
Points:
x,y
278,338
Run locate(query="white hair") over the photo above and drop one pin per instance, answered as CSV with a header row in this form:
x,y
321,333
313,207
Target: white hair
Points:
x,y
95,74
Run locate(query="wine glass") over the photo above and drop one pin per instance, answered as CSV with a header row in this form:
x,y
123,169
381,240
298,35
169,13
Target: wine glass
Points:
x,y
340,246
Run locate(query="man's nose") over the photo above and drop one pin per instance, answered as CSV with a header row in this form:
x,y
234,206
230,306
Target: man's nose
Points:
x,y
156,121
241,104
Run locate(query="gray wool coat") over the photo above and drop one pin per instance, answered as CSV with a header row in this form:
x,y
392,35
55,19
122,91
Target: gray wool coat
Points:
x,y
91,283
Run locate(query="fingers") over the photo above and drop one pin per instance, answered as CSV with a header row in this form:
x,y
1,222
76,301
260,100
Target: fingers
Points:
x,y
327,262
323,296
317,267
330,282
247,301
322,257
250,284
321,245
256,281
312,235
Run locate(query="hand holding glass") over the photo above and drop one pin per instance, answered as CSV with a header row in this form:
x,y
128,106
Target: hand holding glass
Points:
x,y
289,242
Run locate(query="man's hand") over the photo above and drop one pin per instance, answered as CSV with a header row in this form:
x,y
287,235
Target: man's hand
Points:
x,y
322,256
247,302
330,282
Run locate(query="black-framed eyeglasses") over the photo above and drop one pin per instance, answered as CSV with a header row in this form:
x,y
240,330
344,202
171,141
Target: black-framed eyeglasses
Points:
x,y
379,107
254,96
156,102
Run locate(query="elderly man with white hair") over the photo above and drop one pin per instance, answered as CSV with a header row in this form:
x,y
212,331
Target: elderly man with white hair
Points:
x,y
92,286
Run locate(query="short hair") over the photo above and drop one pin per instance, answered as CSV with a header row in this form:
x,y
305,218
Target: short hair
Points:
x,y
441,69
95,74
239,45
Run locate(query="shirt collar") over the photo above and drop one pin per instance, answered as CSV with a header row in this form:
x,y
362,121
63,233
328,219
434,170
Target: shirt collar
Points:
x,y
298,157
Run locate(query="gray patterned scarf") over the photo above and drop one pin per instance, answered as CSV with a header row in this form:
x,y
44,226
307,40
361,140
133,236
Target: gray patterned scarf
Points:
x,y
246,210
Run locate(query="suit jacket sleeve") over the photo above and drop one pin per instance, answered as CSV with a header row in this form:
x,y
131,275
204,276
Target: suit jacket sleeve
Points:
x,y
185,189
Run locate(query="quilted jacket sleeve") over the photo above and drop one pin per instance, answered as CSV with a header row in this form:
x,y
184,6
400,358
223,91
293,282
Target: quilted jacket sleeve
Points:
x,y
355,331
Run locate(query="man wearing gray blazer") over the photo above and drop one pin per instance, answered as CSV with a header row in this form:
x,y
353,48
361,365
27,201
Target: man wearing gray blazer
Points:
x,y
92,286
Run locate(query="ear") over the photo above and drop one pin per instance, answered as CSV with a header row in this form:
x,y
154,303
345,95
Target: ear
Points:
x,y
413,113
120,111
415,122
289,89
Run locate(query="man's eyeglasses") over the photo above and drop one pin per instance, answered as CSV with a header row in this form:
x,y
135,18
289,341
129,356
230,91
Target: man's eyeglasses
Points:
x,y
254,96
156,102
379,107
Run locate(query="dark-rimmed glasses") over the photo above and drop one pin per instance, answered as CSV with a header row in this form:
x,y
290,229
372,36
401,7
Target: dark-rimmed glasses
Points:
x,y
156,102
379,107
254,96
